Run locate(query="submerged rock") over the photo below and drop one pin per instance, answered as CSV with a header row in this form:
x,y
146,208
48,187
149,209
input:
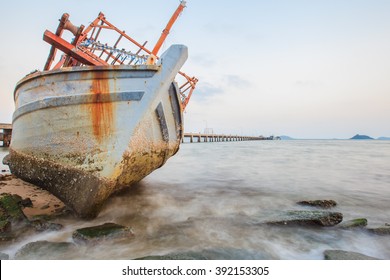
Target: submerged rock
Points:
x,y
345,255
3,256
45,250
102,232
176,256
318,203
380,230
42,225
355,223
5,226
212,254
307,218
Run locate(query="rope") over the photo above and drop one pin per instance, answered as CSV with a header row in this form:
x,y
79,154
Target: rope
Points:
x,y
124,55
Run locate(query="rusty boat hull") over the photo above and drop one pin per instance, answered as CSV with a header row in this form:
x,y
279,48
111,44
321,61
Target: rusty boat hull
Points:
x,y
84,133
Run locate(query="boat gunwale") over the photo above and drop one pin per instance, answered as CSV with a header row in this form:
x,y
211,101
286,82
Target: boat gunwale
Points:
x,y
77,69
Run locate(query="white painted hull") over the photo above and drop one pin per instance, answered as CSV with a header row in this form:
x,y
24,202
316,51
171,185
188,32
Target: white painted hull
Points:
x,y
84,133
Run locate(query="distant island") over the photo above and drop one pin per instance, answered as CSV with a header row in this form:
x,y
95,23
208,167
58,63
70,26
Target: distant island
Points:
x,y
284,137
383,138
361,137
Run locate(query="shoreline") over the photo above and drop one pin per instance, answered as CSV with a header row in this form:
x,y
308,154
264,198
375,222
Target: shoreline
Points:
x,y
43,202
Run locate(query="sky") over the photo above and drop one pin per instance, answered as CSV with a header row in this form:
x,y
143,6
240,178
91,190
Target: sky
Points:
x,y
315,69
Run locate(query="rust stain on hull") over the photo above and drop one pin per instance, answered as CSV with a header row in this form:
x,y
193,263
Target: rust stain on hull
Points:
x,y
102,109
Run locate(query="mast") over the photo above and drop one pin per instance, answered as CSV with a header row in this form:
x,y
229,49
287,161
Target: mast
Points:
x,y
165,32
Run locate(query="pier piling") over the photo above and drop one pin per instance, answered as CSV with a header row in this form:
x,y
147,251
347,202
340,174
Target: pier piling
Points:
x,y
5,134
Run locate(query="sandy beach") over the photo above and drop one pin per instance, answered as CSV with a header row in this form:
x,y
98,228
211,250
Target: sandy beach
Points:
x,y
43,203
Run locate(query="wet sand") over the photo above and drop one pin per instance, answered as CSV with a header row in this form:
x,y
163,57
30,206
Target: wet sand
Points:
x,y
43,202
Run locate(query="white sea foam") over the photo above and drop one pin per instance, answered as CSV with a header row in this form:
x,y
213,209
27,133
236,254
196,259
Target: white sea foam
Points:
x,y
207,199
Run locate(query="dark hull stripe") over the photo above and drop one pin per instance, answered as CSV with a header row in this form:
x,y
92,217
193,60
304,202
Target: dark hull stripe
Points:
x,y
176,110
163,123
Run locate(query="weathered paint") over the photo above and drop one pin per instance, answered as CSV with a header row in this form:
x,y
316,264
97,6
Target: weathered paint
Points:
x,y
52,102
84,152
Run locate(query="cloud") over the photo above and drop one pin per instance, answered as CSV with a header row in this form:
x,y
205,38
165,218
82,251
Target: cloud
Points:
x,y
205,91
237,81
203,60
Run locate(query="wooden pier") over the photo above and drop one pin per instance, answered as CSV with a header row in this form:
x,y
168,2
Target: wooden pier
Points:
x,y
5,134
202,137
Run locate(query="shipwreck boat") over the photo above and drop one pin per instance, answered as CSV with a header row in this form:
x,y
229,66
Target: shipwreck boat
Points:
x,y
100,119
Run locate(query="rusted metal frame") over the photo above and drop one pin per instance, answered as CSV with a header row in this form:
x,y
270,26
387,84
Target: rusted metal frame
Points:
x,y
187,99
94,25
114,58
187,88
71,50
183,85
127,36
101,53
122,34
102,26
189,85
97,34
116,44
93,56
90,27
79,36
69,61
191,81
60,62
137,53
123,60
93,32
53,50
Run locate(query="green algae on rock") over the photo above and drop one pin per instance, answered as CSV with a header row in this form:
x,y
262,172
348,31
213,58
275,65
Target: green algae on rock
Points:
x,y
307,218
107,231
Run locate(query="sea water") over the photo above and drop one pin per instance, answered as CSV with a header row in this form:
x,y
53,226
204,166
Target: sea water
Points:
x,y
212,197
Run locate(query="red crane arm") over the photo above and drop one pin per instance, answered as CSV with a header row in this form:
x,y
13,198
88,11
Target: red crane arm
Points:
x,y
165,32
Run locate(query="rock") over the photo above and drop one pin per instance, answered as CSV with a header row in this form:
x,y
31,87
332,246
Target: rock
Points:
x,y
345,255
318,203
6,177
45,250
26,202
107,231
3,256
11,205
212,254
355,223
3,217
176,256
307,218
41,225
46,206
5,226
380,230
7,236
